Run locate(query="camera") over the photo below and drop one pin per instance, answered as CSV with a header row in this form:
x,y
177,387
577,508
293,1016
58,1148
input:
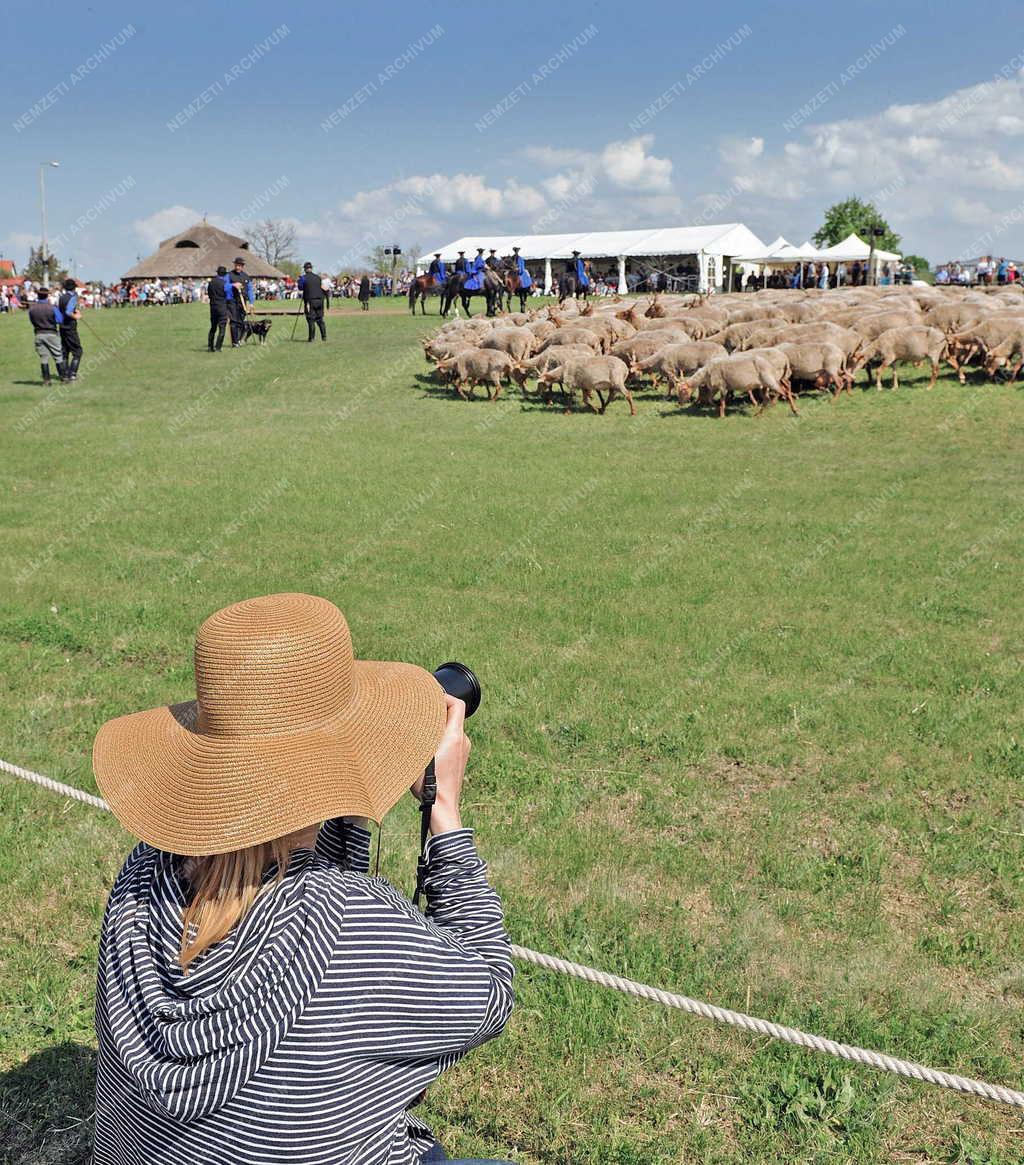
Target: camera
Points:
x,y
458,681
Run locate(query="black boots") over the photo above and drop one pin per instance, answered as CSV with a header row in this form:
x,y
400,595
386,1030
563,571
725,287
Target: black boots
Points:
x,y
46,373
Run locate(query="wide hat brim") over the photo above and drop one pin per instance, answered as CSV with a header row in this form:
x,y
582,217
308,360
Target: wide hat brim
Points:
x,y
187,792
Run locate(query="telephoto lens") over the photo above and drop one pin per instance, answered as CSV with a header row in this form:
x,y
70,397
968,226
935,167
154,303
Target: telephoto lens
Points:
x,y
457,680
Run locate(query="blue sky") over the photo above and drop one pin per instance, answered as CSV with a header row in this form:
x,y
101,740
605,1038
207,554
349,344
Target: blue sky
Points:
x,y
417,123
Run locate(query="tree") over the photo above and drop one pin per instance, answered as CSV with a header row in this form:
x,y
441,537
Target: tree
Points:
x,y
35,268
274,239
289,267
918,262
376,260
855,215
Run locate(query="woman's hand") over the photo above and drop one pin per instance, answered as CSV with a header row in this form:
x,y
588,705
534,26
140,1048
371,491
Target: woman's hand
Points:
x,y
449,770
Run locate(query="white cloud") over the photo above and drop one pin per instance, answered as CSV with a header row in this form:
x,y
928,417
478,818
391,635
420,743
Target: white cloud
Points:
x,y
629,165
162,224
933,168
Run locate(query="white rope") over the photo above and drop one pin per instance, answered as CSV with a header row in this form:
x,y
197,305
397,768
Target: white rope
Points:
x,y
54,786
750,1023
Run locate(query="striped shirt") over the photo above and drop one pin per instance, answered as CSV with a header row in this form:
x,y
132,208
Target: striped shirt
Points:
x,y
305,1035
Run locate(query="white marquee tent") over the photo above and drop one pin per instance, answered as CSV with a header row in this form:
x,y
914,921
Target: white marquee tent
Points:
x,y
709,249
852,249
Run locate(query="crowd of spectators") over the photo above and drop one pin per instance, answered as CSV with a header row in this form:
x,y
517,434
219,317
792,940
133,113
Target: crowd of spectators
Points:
x,y
17,293
982,272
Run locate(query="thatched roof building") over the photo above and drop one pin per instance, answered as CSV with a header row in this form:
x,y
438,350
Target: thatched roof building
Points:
x,y
197,253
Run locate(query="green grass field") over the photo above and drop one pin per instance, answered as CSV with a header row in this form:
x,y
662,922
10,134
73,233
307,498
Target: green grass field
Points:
x,y
752,722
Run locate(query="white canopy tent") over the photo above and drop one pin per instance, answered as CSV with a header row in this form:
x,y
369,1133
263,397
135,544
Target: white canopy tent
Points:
x,y
852,249
711,247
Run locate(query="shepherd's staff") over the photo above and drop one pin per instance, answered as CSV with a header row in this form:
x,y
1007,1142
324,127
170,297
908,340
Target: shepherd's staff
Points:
x,y
103,344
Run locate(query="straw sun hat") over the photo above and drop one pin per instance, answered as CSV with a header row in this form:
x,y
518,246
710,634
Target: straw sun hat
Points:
x,y
288,729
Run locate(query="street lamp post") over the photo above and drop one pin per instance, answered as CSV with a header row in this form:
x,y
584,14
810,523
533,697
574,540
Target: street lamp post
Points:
x,y
42,211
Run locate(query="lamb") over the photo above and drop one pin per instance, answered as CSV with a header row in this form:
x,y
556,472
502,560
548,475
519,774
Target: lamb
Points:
x,y
982,339
444,348
744,372
591,375
821,364
953,317
549,358
655,309
674,362
873,325
517,342
911,345
477,366
645,344
577,335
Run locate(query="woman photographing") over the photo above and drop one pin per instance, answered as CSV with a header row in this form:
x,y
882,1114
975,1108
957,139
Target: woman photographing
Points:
x,y
262,999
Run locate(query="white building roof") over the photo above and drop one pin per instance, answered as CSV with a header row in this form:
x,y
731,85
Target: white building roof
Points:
x,y
715,239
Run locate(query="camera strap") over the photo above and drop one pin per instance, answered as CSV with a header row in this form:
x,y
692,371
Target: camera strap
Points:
x,y
426,807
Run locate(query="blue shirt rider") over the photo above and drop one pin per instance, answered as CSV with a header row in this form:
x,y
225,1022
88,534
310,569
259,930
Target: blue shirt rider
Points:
x,y
437,270
520,264
580,268
477,267
461,266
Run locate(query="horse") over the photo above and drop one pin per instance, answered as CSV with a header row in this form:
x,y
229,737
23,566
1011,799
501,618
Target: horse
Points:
x,y
568,286
492,291
420,288
510,282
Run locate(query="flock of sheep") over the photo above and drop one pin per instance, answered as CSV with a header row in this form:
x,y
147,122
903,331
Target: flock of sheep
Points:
x,y
762,347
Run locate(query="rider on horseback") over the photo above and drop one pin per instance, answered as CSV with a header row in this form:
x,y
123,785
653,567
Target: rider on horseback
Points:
x,y
477,267
438,271
519,264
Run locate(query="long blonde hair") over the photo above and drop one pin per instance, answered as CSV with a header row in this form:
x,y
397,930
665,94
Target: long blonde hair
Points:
x,y
224,887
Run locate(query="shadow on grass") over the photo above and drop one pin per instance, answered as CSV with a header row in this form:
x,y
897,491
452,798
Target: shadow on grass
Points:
x,y
46,1107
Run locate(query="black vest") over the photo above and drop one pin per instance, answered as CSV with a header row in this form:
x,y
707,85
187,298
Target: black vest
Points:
x,y
42,316
312,288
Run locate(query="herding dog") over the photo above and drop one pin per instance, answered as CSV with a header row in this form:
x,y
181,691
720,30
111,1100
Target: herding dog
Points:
x,y
260,329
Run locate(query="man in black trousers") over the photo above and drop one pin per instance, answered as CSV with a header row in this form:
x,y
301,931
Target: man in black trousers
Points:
x,y
312,301
216,293
240,295
46,320
71,345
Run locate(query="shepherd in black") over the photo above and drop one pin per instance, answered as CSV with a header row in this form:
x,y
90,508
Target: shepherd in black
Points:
x,y
46,319
239,290
71,345
216,293
364,293
312,301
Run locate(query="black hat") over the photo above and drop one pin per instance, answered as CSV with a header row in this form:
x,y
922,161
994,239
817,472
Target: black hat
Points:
x,y
494,250
437,254
575,252
515,248
70,285
42,292
479,250
222,270
307,266
462,252
239,259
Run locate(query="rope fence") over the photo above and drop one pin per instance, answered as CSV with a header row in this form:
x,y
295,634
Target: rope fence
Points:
x,y
750,1023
